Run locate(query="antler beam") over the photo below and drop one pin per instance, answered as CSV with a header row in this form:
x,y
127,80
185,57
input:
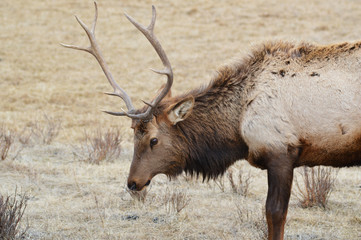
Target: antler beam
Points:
x,y
118,91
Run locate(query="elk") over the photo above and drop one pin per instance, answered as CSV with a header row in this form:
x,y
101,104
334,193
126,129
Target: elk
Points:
x,y
283,106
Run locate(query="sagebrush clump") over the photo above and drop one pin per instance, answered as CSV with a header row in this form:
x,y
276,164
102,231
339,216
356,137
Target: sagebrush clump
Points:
x,y
12,209
318,183
6,141
102,146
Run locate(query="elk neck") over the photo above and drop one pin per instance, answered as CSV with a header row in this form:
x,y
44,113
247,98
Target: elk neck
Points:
x,y
210,135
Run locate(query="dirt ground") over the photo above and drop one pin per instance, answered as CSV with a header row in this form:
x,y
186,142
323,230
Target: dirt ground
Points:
x,y
41,81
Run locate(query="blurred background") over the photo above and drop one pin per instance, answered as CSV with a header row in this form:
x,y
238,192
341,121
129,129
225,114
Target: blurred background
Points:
x,y
69,161
38,76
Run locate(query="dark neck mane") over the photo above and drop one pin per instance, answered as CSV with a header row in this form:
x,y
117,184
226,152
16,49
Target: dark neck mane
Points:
x,y
211,133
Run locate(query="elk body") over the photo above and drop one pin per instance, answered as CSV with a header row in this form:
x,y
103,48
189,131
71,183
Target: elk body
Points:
x,y
284,105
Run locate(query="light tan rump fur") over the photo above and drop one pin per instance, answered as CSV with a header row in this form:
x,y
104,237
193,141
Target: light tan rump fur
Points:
x,y
306,96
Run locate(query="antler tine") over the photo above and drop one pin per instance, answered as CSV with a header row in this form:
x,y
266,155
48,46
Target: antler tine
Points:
x,y
95,51
117,113
95,17
148,32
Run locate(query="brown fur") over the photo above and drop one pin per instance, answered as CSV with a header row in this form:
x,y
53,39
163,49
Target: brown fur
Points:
x,y
283,106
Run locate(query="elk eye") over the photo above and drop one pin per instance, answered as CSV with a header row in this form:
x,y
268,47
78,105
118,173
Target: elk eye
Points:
x,y
153,142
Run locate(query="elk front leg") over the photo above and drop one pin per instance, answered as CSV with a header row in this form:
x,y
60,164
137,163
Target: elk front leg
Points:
x,y
280,176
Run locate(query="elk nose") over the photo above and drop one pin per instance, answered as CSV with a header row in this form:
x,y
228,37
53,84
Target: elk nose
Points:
x,y
132,186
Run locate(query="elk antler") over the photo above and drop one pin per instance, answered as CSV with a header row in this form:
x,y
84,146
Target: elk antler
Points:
x,y
95,51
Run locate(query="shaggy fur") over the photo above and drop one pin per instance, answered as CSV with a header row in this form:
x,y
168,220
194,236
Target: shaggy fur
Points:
x,y
211,148
282,106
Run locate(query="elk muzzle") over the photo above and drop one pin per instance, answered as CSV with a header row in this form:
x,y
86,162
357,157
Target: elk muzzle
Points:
x,y
137,185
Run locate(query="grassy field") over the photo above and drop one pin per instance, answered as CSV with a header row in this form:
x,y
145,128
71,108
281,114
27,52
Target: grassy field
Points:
x,y
43,85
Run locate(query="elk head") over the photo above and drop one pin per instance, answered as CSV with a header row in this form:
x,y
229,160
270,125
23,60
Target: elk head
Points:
x,y
158,144
155,131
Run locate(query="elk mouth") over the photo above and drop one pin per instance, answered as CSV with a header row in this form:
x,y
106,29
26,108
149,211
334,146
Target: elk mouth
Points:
x,y
147,183
133,186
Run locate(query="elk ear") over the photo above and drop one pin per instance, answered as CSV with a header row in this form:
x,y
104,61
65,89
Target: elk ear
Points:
x,y
180,110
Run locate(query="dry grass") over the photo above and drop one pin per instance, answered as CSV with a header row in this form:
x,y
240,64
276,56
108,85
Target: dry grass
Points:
x,y
139,195
250,218
12,209
70,199
6,140
11,143
240,186
44,132
175,201
102,146
24,136
318,183
220,183
255,220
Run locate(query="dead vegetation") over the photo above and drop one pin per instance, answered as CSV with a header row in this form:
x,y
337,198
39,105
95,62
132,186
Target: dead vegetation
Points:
x,y
139,196
172,199
101,146
24,136
317,185
6,141
255,220
35,133
241,184
238,182
44,131
12,209
220,183
175,200
66,83
11,143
